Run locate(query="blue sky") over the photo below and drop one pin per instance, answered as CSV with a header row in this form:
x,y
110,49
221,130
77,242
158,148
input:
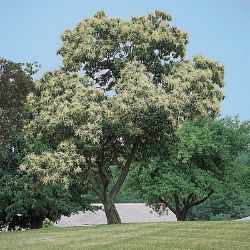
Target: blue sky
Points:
x,y
218,29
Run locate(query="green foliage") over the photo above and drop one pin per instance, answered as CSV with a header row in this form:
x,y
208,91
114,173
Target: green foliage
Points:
x,y
102,46
15,84
47,223
128,193
14,87
203,162
220,217
121,94
24,198
233,202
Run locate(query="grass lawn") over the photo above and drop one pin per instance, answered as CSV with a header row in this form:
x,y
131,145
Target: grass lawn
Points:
x,y
170,235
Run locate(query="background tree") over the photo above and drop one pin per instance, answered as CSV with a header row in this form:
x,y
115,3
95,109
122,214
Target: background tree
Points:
x,y
15,84
206,152
135,92
233,201
25,200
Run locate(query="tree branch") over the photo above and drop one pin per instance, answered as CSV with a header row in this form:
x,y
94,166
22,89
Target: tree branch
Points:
x,y
177,202
125,169
161,199
115,156
189,200
202,200
94,186
102,173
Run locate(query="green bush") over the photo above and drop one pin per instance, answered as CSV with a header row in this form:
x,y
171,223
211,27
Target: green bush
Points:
x,y
220,217
47,223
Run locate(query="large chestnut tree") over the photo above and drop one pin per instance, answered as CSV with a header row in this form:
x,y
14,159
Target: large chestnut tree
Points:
x,y
123,90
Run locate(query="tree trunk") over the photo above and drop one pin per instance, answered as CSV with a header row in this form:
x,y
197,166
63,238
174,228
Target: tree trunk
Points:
x,y
111,212
107,197
36,222
182,214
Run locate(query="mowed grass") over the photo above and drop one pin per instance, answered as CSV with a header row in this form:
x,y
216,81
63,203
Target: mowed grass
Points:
x,y
170,235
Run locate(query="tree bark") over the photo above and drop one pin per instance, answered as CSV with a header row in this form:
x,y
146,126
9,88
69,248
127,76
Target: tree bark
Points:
x,y
108,203
111,212
107,197
36,222
182,214
125,169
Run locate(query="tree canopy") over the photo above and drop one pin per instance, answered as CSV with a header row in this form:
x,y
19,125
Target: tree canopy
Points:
x,y
122,92
201,166
232,201
102,46
25,199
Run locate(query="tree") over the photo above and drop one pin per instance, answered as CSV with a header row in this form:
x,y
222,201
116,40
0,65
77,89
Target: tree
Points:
x,y
233,201
206,152
121,94
25,200
15,84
